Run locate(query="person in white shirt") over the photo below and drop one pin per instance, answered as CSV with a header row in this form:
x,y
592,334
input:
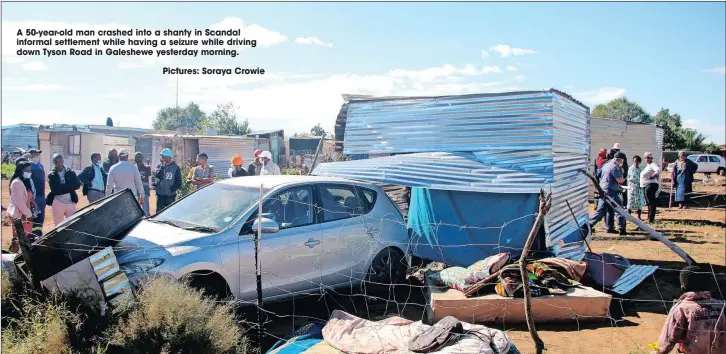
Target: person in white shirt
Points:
x,y
650,182
269,167
125,175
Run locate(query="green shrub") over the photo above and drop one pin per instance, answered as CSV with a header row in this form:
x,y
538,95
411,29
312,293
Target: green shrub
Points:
x,y
8,169
171,317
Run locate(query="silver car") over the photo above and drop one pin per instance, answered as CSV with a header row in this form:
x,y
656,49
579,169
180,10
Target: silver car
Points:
x,y
317,232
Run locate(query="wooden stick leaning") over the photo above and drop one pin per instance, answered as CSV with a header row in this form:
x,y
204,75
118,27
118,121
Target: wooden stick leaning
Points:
x,y
544,206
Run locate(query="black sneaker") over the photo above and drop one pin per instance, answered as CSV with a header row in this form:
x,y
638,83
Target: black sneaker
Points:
x,y
612,231
623,232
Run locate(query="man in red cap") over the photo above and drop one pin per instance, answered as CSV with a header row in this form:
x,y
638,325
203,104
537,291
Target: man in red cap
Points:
x,y
255,167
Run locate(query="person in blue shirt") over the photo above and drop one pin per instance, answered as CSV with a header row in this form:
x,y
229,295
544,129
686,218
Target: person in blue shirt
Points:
x,y
38,178
610,182
93,178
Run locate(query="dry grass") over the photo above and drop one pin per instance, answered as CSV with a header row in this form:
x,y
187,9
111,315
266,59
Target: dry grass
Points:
x,y
171,317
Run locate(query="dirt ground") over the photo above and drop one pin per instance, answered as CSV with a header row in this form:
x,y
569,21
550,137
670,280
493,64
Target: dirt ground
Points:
x,y
636,320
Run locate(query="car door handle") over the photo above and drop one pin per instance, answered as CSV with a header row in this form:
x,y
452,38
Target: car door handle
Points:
x,y
373,232
312,243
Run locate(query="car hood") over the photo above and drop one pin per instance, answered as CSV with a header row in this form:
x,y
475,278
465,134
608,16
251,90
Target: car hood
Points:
x,y
149,239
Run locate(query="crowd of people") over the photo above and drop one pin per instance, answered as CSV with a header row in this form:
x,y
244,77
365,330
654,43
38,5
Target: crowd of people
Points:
x,y
636,186
28,198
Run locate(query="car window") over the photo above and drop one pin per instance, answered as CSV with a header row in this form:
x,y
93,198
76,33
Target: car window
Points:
x,y
714,159
369,198
291,207
340,202
692,157
702,159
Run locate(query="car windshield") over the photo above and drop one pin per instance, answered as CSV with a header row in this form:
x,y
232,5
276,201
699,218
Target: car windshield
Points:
x,y
692,157
210,209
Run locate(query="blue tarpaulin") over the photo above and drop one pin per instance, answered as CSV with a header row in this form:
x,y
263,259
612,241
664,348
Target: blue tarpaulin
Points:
x,y
460,228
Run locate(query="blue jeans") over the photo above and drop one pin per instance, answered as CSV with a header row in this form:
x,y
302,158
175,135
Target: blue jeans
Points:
x,y
38,223
146,200
604,209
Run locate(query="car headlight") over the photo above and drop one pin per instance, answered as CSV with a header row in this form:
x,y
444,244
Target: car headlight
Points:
x,y
141,266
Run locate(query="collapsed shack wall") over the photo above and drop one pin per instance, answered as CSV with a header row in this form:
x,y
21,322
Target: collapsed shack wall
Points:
x,y
505,143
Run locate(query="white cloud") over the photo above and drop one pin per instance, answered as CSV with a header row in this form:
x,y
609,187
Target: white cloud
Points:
x,y
506,51
511,68
313,41
14,60
115,95
484,53
717,132
261,36
596,97
721,70
297,103
34,66
35,87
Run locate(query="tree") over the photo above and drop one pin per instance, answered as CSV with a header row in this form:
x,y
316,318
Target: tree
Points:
x,y
693,140
109,122
224,120
622,109
317,130
672,126
173,118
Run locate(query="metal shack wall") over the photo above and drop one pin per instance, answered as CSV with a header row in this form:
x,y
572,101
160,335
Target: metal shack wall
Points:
x,y
570,149
221,149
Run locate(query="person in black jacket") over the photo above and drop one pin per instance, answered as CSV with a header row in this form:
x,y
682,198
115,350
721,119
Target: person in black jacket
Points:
x,y
94,178
169,180
63,184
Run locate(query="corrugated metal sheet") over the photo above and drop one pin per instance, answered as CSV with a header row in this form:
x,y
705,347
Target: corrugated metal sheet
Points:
x,y
634,275
19,136
221,149
499,143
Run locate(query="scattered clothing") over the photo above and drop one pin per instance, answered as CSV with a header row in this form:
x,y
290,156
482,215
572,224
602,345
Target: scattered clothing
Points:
x,y
355,335
124,175
695,324
636,198
575,270
543,280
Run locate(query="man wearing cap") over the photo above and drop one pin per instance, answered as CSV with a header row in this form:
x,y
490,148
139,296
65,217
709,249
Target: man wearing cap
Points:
x,y
169,180
38,179
145,173
94,179
202,174
624,170
63,184
254,168
270,167
612,178
124,175
236,170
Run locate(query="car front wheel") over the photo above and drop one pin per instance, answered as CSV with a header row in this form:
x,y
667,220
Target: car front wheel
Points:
x,y
388,268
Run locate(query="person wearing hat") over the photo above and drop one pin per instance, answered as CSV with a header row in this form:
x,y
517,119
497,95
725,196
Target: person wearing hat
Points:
x,y
124,175
254,168
38,178
269,167
624,170
612,178
94,179
236,170
169,180
63,184
145,173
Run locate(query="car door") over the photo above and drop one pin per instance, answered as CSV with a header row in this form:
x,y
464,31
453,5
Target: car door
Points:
x,y
347,245
715,163
290,259
703,164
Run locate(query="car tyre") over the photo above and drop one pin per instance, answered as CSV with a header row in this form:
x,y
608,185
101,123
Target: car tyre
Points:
x,y
387,269
211,284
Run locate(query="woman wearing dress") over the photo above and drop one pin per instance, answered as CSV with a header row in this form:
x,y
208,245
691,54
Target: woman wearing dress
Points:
x,y
22,207
636,198
682,175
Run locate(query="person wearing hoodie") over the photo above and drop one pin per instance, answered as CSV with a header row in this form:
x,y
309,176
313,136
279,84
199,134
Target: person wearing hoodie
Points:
x,y
169,180
112,160
63,184
21,205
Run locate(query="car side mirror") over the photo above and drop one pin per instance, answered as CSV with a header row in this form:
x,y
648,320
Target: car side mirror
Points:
x,y
269,226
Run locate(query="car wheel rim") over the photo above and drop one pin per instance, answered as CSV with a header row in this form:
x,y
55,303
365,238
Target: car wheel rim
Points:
x,y
383,270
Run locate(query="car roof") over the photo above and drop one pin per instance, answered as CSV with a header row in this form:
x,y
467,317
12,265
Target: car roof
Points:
x,y
280,180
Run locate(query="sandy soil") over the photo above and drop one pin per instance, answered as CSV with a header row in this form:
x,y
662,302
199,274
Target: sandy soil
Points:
x,y
699,231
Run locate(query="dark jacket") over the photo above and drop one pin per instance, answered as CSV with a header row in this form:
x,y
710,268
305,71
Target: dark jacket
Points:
x,y
251,169
38,178
87,175
169,179
108,164
56,188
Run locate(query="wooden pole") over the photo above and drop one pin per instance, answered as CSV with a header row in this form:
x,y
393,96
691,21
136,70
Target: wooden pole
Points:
x,y
544,205
317,151
584,237
654,234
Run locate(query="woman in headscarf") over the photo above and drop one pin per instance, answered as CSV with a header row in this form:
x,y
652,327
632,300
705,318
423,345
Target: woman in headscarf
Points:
x,y
636,198
22,208
601,159
683,171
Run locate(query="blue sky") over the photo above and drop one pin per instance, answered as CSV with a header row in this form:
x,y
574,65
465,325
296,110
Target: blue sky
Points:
x,y
658,54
